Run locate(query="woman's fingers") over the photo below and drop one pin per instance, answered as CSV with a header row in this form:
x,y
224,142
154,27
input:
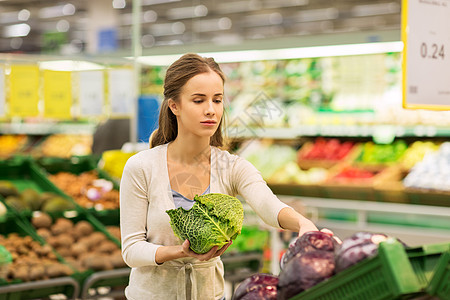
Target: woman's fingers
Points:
x,y
328,231
223,249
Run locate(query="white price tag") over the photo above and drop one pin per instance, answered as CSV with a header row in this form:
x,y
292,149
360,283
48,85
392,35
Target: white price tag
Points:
x,y
426,54
91,93
121,91
2,92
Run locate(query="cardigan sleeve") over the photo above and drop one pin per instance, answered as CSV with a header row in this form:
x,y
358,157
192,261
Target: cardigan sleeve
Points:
x,y
251,186
136,250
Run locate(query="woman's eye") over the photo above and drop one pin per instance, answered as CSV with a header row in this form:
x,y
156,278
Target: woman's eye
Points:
x,y
218,100
198,101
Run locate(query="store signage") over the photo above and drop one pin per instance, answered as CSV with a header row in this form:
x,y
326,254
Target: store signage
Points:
x,y
426,54
91,93
2,92
57,94
121,91
24,91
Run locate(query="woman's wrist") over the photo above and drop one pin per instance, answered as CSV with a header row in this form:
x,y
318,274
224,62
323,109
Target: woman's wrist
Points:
x,y
166,253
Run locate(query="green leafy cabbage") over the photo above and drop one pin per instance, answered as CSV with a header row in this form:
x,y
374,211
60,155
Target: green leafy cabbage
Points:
x,y
214,220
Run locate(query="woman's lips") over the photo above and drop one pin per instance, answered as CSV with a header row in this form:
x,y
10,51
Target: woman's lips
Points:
x,y
209,123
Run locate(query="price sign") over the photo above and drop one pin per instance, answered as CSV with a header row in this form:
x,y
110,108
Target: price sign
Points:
x,y
24,91
2,92
57,94
426,54
121,91
92,94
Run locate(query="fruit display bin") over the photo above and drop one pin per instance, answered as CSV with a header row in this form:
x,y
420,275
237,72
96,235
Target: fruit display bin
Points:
x,y
78,165
17,289
92,278
439,285
388,275
26,174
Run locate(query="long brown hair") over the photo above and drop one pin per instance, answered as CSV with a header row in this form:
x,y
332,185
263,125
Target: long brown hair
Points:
x,y
186,67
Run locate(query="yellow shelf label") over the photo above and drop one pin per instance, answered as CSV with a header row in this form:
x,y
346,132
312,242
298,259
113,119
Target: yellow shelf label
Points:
x,y
24,91
57,94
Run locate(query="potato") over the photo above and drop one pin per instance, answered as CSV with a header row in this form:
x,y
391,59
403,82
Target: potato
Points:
x,y
44,233
106,247
78,249
37,272
97,263
61,225
83,228
41,220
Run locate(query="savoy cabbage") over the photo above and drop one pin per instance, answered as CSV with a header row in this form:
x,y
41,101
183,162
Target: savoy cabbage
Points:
x,y
214,220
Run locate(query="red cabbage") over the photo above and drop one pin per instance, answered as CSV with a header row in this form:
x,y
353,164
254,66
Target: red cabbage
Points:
x,y
304,271
256,287
356,248
309,241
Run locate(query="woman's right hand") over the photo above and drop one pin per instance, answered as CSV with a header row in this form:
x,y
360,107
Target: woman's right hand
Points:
x,y
214,252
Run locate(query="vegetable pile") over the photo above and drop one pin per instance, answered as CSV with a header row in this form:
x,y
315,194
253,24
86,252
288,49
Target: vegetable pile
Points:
x,y
214,220
310,259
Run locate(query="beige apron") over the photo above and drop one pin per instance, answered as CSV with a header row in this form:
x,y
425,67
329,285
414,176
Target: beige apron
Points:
x,y
178,280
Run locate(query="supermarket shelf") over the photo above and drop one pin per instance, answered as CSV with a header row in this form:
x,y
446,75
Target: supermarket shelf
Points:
x,y
47,128
41,285
105,277
339,130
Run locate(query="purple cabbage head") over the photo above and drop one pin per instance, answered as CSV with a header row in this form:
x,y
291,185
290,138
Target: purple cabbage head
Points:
x,y
256,287
309,241
356,248
304,271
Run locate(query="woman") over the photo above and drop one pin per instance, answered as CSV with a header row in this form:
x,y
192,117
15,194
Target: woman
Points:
x,y
184,161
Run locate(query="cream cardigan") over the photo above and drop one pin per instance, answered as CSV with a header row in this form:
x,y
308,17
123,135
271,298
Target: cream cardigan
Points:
x,y
145,195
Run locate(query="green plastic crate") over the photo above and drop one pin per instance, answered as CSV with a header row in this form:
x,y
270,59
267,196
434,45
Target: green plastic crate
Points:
x,y
440,282
77,165
26,174
424,260
18,290
389,275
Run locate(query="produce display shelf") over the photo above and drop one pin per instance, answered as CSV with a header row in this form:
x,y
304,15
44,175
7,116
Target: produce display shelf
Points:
x,y
109,278
77,165
19,290
389,275
440,282
42,288
24,174
334,130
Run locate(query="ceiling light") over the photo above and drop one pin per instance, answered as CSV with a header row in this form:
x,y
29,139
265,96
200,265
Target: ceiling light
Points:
x,y
150,16
62,26
119,4
153,2
16,30
284,3
8,17
187,12
16,43
212,25
57,11
288,53
23,15
68,9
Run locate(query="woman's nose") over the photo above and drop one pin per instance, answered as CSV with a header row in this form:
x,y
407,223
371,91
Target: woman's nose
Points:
x,y
209,110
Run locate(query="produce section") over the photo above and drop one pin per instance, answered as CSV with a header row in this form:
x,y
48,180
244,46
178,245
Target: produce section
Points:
x,y
311,134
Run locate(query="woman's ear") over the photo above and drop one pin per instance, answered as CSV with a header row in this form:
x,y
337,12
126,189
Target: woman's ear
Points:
x,y
173,106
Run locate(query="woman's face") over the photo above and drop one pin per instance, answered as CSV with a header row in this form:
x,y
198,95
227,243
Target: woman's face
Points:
x,y
200,108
